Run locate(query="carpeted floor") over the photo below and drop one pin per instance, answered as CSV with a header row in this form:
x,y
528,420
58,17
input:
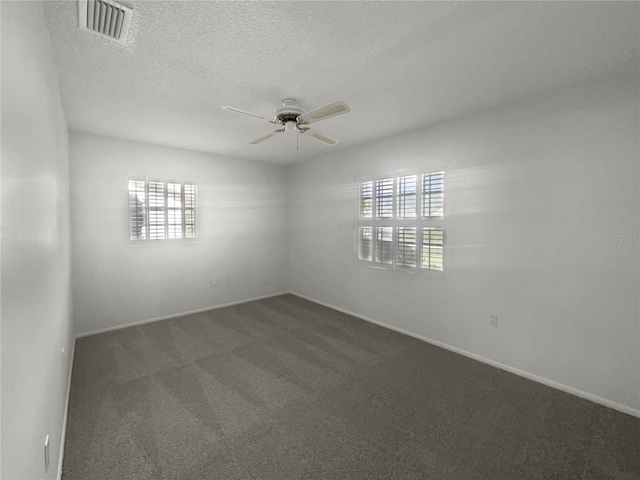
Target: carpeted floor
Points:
x,y
282,388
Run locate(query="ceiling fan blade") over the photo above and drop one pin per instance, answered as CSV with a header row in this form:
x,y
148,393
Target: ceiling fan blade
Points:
x,y
264,137
332,110
243,112
323,138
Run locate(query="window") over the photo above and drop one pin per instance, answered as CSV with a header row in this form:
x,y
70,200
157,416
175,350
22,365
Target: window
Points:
x,y
162,209
384,198
407,196
432,197
432,243
406,243
401,222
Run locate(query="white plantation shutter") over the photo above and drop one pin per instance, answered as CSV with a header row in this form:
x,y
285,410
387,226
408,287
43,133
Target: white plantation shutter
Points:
x,y
175,224
432,248
137,210
432,195
190,205
407,196
365,243
156,210
400,222
161,210
406,246
366,200
384,245
384,198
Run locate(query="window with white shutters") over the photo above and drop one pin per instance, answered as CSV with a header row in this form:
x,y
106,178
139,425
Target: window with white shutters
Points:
x,y
406,246
366,199
432,244
401,222
432,195
407,196
175,218
189,209
384,245
162,209
157,211
365,243
137,210
384,198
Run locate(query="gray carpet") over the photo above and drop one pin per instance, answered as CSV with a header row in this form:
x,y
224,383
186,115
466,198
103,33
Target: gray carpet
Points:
x,y
283,388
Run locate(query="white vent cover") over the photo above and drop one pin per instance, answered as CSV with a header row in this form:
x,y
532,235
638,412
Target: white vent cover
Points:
x,y
106,18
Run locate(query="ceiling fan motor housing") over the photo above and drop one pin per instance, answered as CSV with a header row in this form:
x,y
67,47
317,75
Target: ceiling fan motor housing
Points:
x,y
288,112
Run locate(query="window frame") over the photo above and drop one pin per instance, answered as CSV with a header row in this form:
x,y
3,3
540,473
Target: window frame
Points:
x,y
396,222
166,209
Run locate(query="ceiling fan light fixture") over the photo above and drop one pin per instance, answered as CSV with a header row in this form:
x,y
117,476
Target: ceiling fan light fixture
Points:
x,y
290,126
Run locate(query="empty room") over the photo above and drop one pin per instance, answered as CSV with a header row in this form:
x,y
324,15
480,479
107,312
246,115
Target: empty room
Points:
x,y
320,240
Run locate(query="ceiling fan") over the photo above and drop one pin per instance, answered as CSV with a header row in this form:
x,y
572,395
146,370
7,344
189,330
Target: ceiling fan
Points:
x,y
290,117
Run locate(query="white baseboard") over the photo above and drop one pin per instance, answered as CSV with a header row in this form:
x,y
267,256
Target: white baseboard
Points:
x,y
174,315
536,378
66,411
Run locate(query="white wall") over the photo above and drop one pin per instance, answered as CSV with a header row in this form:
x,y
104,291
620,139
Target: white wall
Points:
x,y
36,324
531,191
243,234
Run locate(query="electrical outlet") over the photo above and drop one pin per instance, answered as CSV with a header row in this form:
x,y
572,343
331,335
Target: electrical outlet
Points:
x,y
493,320
215,282
46,453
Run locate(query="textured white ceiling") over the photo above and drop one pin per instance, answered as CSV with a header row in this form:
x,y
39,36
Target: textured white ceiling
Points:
x,y
399,65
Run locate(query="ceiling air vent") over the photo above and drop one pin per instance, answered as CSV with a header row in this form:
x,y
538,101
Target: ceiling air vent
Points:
x,y
106,18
